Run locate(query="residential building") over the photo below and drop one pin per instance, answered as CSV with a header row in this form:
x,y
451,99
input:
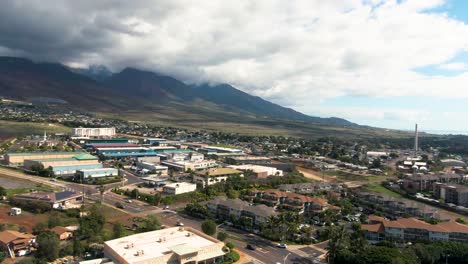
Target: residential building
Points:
x,y
311,187
248,160
176,245
396,207
235,209
452,193
215,175
56,200
290,201
259,171
179,187
62,233
94,132
93,174
412,229
17,244
65,166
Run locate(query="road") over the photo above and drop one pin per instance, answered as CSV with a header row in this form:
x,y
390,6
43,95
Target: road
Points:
x,y
266,251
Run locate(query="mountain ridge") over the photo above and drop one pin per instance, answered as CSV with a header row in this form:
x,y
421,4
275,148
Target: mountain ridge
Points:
x,y
137,90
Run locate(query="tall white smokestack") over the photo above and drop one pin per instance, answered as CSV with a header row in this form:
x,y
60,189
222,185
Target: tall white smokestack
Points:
x,y
416,148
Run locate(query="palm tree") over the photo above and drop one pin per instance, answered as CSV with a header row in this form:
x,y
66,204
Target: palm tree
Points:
x,y
339,241
101,191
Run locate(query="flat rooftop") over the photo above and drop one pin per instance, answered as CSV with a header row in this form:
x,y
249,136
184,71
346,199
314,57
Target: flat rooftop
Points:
x,y
158,243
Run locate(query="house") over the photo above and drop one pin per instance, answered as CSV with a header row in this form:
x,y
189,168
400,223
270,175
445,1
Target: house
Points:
x,y
17,244
56,200
62,233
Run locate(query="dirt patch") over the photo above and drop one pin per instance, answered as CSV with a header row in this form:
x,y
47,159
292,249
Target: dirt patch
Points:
x,y
314,175
26,219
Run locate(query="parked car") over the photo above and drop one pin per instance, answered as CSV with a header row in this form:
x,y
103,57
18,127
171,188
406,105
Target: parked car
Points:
x,y
166,207
282,245
119,205
180,224
251,247
129,201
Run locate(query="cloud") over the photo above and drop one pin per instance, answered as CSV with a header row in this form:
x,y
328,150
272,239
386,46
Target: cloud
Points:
x,y
296,53
454,66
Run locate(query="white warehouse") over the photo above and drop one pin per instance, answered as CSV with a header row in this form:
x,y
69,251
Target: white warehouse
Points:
x,y
94,132
179,187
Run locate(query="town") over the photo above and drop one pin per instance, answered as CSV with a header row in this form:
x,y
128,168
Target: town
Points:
x,y
96,189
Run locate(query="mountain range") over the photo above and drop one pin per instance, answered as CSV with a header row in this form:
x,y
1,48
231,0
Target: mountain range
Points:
x,y
133,92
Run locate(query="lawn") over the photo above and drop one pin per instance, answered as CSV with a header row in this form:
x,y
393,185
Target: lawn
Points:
x,y
375,187
15,129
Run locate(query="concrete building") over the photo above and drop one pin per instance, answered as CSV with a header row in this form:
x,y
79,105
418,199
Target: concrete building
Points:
x,y
182,156
452,193
248,160
179,187
93,174
176,245
259,171
186,165
153,168
65,166
97,132
224,156
412,229
215,175
452,163
17,159
56,200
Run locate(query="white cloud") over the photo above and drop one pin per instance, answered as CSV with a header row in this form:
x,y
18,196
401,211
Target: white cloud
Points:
x,y
454,66
296,53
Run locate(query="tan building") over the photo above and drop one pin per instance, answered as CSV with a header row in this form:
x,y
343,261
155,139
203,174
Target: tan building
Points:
x,y
17,159
16,243
176,245
215,175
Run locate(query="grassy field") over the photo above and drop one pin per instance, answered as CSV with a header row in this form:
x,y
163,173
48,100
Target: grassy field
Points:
x,y
376,187
14,129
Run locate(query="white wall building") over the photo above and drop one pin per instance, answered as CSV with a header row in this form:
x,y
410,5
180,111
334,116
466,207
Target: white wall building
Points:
x,y
94,132
179,187
260,171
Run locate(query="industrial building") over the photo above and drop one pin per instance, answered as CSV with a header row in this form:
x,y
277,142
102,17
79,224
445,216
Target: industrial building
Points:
x,y
92,174
207,150
248,160
134,152
179,187
56,200
259,171
95,132
17,159
65,166
215,175
190,165
153,168
171,245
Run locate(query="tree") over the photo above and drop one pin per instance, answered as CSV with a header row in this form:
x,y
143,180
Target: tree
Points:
x,y
209,227
78,248
39,227
222,236
150,223
3,255
91,226
338,241
54,220
102,189
3,191
118,230
230,245
48,246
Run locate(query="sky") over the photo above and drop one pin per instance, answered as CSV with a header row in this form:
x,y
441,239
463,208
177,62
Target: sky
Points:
x,y
384,63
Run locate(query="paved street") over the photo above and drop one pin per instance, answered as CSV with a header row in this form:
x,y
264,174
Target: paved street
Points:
x,y
266,251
